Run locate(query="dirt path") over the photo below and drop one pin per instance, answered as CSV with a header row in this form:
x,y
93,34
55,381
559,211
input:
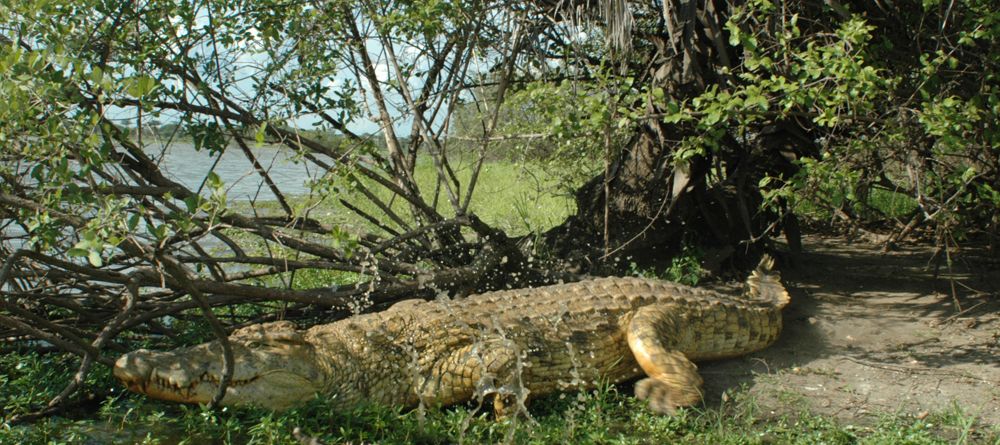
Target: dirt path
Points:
x,y
870,333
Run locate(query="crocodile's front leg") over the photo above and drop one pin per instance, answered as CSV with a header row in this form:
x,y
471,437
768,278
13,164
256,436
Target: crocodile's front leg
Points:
x,y
673,380
484,369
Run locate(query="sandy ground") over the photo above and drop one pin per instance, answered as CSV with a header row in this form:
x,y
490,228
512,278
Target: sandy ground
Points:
x,y
871,333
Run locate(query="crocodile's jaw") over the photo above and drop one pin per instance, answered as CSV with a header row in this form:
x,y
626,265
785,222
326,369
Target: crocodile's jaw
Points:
x,y
271,371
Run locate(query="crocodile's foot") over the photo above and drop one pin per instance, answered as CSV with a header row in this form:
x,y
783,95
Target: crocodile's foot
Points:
x,y
508,401
664,398
504,406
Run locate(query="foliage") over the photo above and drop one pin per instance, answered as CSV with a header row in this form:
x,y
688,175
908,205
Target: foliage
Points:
x,y
878,118
559,125
30,379
909,125
684,268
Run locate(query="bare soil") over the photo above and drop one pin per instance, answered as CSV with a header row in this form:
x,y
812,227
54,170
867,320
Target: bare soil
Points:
x,y
871,333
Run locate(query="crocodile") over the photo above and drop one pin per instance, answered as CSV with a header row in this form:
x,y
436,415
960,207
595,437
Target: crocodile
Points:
x,y
502,347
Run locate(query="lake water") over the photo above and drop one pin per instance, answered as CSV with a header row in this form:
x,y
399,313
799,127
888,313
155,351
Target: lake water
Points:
x,y
182,163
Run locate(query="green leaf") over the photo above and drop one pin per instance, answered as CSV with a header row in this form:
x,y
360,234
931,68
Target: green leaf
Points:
x,y
658,94
673,113
734,33
192,203
712,117
94,257
259,135
968,174
214,181
758,101
160,231
141,85
133,221
97,75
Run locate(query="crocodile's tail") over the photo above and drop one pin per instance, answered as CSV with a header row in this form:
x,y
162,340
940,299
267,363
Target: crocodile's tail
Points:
x,y
765,284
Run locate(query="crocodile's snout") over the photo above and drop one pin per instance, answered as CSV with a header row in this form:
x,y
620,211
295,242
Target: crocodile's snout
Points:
x,y
137,369
132,370
269,370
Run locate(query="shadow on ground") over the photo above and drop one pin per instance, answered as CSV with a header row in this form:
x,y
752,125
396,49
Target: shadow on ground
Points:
x,y
871,332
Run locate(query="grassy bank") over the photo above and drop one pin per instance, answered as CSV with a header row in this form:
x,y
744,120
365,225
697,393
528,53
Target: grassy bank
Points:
x,y
606,416
516,198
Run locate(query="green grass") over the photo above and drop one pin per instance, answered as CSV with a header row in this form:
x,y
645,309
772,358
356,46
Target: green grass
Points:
x,y
892,204
608,415
516,198
604,416
877,205
519,199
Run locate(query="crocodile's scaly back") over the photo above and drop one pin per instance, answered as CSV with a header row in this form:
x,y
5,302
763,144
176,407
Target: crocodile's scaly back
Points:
x,y
510,345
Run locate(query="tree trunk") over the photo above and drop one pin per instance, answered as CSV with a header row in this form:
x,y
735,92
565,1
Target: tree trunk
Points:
x,y
653,205
656,207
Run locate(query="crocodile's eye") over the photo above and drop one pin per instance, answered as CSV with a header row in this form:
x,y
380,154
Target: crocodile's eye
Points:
x,y
254,344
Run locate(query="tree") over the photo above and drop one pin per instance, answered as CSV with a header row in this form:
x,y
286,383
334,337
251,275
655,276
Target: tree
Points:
x,y
711,123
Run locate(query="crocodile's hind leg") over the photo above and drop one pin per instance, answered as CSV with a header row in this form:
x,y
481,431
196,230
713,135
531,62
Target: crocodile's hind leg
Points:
x,y
673,380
